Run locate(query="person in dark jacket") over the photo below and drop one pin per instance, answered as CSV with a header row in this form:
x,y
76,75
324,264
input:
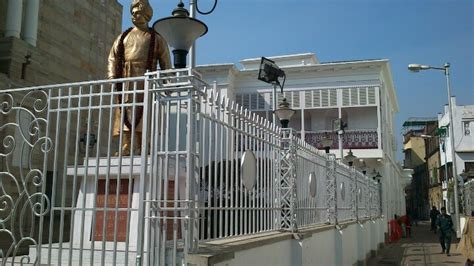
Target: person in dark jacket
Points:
x,y
445,224
433,216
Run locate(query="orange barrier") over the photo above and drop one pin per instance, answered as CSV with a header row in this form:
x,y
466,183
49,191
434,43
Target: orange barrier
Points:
x,y
395,230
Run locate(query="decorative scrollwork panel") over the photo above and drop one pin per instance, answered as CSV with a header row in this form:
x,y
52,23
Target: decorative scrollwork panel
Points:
x,y
24,147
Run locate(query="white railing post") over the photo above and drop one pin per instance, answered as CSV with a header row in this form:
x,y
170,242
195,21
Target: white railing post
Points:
x,y
192,173
354,201
287,180
331,189
143,171
367,204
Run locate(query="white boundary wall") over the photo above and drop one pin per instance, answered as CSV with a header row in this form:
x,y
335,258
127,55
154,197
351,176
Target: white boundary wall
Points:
x,y
352,244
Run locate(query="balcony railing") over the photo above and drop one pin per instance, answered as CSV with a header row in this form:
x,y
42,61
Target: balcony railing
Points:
x,y
351,139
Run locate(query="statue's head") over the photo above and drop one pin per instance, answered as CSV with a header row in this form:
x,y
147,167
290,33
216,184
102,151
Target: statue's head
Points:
x,y
141,13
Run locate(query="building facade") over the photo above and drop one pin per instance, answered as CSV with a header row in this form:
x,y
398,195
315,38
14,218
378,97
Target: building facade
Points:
x,y
361,93
49,41
436,173
46,42
416,155
463,126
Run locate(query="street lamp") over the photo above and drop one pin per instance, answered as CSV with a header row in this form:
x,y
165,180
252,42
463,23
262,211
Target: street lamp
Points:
x,y
349,158
377,177
363,168
445,69
284,113
326,141
180,31
338,125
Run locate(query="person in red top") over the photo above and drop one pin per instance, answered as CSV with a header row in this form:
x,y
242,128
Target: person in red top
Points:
x,y
395,229
406,221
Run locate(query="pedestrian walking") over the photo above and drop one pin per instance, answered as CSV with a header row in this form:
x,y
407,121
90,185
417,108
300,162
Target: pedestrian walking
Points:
x,y
415,217
433,216
445,224
466,245
407,225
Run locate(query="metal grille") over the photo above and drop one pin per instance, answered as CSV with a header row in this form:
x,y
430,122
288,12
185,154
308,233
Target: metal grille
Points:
x,y
468,195
310,209
72,195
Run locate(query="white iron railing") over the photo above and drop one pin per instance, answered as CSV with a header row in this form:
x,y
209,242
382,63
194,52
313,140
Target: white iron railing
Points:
x,y
468,195
204,169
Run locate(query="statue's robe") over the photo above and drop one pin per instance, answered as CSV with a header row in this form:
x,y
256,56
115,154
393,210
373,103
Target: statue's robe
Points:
x,y
136,47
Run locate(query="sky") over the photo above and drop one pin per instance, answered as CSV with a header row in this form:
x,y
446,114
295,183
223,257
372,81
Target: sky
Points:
x,y
429,32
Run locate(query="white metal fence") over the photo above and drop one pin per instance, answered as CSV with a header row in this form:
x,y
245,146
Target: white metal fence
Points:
x,y
468,195
201,168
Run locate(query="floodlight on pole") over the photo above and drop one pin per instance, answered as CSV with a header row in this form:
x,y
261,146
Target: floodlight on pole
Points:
x,y
445,69
270,73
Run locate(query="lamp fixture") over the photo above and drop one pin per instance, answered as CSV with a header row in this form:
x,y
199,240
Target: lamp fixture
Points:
x,y
180,31
326,141
269,72
284,113
377,176
350,157
445,69
363,167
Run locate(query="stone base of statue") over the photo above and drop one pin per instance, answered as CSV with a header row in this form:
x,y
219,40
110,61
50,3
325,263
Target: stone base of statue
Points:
x,y
105,220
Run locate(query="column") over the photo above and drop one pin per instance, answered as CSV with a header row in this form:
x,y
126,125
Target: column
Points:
x,y
14,15
31,21
379,119
303,129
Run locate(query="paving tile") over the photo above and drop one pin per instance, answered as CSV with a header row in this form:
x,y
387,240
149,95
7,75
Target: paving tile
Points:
x,y
422,248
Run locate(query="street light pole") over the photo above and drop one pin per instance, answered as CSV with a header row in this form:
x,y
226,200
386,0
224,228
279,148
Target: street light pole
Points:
x,y
274,101
453,151
445,68
192,51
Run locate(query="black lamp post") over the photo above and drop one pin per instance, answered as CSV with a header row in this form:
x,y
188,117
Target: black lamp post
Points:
x,y
326,141
180,31
377,176
363,168
350,158
284,113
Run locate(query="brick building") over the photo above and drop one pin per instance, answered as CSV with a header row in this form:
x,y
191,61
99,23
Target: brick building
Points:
x,y
44,42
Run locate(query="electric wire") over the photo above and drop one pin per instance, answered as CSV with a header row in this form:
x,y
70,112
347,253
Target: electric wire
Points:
x,y
208,12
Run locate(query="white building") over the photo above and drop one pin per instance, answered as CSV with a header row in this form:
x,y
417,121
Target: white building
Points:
x,y
463,117
360,92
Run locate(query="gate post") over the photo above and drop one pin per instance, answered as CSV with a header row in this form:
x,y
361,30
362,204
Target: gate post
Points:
x,y
144,165
354,198
331,189
194,99
288,180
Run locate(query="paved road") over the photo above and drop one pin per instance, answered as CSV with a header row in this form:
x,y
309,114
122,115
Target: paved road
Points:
x,y
422,249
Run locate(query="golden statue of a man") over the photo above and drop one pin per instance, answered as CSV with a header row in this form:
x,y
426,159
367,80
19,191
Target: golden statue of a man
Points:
x,y
135,51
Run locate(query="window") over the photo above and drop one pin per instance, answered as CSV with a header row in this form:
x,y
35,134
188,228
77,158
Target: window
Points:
x,y
468,166
466,128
